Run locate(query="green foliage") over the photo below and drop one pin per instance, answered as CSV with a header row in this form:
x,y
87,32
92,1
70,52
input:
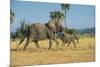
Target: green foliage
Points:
x,y
19,33
56,15
71,31
22,29
65,6
12,15
12,35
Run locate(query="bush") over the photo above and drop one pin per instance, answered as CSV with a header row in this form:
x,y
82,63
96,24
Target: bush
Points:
x,y
71,31
21,30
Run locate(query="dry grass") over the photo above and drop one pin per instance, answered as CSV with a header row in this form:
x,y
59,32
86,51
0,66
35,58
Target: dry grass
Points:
x,y
85,52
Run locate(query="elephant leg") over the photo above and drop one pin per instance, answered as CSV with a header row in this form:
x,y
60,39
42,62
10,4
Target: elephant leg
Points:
x,y
69,43
37,45
29,39
74,43
63,42
50,44
77,40
57,44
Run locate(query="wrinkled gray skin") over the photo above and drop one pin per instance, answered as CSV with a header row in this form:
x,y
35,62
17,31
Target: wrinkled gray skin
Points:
x,y
68,38
38,31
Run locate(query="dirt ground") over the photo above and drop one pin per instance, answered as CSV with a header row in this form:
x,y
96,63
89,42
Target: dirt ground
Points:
x,y
84,52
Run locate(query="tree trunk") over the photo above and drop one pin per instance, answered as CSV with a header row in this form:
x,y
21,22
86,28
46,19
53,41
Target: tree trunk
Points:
x,y
65,19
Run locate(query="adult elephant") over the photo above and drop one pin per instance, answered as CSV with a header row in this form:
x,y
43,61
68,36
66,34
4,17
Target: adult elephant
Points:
x,y
38,31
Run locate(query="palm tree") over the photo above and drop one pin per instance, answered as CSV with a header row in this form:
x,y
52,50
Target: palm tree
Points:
x,y
64,8
56,15
12,15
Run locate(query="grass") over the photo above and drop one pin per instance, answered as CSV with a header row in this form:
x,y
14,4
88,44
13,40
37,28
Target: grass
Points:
x,y
85,52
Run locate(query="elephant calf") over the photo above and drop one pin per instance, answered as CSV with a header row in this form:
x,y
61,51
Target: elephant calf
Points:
x,y
68,38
